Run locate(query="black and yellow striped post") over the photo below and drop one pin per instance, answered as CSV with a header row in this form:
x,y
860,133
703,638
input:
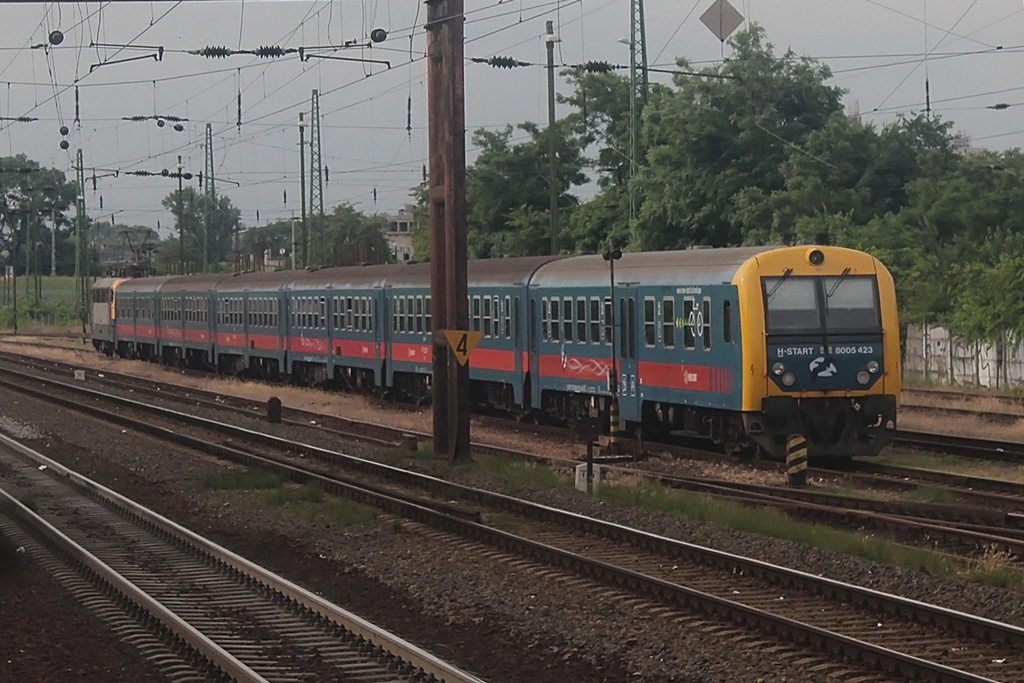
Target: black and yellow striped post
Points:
x,y
614,445
796,460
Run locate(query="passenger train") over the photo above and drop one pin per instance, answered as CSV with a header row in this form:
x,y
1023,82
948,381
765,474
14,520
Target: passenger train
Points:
x,y
746,346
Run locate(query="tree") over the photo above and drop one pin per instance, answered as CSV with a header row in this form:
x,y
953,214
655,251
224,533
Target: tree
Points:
x,y
31,197
220,237
269,242
508,177
352,238
716,135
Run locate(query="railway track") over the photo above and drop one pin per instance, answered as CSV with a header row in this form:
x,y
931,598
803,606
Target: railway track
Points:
x,y
911,640
197,610
987,515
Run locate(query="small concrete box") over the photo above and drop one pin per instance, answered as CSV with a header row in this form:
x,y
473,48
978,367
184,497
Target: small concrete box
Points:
x,y
581,477
79,375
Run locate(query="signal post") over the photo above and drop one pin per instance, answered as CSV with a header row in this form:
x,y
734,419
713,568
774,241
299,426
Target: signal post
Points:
x,y
447,195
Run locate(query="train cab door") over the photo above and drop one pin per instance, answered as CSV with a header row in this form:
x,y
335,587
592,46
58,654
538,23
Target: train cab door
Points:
x,y
626,351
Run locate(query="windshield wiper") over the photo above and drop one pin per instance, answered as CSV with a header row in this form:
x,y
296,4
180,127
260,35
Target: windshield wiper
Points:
x,y
785,274
828,295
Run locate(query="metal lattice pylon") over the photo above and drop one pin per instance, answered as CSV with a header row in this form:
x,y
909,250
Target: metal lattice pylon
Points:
x,y
638,92
316,181
210,215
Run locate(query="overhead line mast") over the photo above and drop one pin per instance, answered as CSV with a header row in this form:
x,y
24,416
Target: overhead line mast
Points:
x,y
211,198
316,181
638,93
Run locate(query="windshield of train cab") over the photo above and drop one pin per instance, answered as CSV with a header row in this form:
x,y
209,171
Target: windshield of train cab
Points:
x,y
831,304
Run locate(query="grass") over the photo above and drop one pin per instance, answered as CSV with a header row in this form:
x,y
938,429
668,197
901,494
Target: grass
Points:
x,y
248,479
307,500
952,463
993,569
423,459
521,472
933,494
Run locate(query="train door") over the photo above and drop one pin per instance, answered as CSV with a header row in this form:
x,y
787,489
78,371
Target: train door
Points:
x,y
530,341
626,342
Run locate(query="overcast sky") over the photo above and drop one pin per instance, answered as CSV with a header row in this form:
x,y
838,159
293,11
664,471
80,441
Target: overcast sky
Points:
x,y
877,50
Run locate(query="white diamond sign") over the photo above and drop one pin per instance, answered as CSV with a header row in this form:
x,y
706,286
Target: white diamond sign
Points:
x,y
722,18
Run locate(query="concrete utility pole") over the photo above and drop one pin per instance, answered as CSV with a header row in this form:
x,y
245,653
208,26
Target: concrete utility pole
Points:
x,y
81,257
551,39
446,97
181,223
302,186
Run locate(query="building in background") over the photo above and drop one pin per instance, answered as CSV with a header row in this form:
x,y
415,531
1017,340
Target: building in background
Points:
x,y
399,235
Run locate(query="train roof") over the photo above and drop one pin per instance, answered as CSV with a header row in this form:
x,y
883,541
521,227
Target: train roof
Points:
x,y
688,267
499,272
144,284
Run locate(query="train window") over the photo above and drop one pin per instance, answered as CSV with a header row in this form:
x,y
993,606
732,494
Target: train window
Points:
x,y
508,317
792,304
706,319
369,314
595,320
486,316
475,314
515,319
649,321
567,319
727,321
623,341
401,314
556,323
322,313
409,315
668,322
495,319
631,328
689,324
608,321
581,320
546,322
850,303
348,322
426,315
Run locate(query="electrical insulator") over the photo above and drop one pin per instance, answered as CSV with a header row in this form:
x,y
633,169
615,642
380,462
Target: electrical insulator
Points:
x,y
270,51
212,51
598,67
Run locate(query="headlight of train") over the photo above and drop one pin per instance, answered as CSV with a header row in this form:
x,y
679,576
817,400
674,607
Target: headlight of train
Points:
x,y
863,377
873,367
789,379
778,369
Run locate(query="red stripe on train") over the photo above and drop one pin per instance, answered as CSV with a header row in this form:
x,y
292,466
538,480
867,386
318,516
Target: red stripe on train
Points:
x,y
685,376
503,360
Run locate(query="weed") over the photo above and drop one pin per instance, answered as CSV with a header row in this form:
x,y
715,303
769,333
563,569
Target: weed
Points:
x,y
248,479
521,472
933,494
776,524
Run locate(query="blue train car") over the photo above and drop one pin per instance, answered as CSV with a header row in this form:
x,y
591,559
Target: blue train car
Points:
x,y
746,346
